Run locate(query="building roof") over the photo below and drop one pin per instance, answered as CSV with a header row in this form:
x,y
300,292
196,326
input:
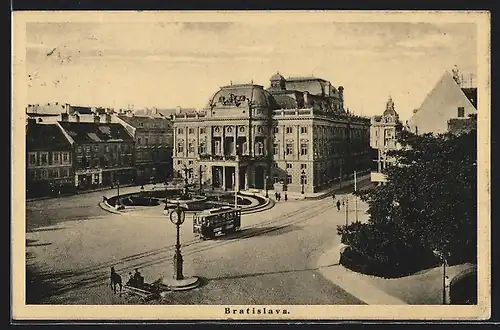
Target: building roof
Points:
x,y
242,94
146,122
96,132
81,110
439,106
45,137
471,94
312,85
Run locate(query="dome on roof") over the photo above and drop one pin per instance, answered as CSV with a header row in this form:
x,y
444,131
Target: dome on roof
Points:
x,y
277,76
242,95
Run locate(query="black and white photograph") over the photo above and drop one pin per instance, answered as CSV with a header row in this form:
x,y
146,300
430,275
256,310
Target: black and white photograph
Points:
x,y
251,165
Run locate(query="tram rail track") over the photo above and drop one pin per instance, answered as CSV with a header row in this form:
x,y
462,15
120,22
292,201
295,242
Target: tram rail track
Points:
x,y
191,247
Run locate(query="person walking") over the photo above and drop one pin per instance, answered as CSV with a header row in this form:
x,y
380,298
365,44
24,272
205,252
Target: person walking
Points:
x,y
286,197
338,205
276,195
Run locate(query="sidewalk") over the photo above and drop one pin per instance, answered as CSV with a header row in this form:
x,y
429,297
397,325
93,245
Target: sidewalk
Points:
x,y
422,288
79,193
352,282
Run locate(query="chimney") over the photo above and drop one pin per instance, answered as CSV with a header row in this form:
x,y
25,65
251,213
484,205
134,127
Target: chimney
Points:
x,y
64,117
97,118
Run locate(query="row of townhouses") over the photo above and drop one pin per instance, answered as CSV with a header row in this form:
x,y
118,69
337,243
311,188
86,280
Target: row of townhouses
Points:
x,y
81,149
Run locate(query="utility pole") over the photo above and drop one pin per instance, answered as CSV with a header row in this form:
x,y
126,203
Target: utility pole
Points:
x,y
346,209
235,192
355,197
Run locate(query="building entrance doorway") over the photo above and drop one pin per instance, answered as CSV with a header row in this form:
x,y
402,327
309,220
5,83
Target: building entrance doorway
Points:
x,y
260,177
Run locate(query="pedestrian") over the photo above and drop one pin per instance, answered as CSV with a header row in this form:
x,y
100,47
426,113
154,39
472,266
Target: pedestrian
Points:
x,y
338,205
343,202
276,195
286,197
279,196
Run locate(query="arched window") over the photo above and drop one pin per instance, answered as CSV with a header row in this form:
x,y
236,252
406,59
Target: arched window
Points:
x,y
259,148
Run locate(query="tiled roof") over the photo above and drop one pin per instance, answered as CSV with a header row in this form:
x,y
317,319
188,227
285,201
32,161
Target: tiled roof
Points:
x,y
95,132
45,137
146,122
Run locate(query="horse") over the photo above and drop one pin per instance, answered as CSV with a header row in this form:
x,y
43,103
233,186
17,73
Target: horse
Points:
x,y
115,280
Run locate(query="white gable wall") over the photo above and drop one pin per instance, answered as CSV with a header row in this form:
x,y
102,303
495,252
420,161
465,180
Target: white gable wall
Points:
x,y
440,105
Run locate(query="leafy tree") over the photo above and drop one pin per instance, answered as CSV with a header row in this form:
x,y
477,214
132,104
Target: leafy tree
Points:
x,y
429,204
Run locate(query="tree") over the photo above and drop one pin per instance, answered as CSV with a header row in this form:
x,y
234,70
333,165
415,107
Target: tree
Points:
x,y
428,205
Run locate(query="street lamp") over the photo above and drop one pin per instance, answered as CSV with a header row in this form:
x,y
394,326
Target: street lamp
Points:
x,y
302,177
267,179
118,192
177,217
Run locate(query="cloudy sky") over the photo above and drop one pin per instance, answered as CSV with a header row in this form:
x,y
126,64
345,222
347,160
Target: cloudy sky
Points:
x,y
168,64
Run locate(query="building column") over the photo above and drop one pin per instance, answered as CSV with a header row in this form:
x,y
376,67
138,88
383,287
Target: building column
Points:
x,y
246,178
224,177
237,177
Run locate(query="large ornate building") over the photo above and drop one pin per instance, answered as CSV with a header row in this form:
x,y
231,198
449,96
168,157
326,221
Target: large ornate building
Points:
x,y
294,136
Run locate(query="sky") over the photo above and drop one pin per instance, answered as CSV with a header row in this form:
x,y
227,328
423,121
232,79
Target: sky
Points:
x,y
168,64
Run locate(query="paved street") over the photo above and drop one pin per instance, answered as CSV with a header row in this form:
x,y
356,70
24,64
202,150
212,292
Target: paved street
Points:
x,y
272,261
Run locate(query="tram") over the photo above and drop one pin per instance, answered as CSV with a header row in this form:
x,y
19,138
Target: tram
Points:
x,y
217,221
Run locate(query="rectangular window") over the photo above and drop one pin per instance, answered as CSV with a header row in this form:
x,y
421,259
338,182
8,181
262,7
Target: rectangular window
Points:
x,y
180,147
106,148
190,162
275,165
191,148
32,159
288,179
288,165
461,112
203,148
275,129
180,131
303,130
289,149
276,149
33,175
55,158
146,141
179,162
65,172
276,179
87,149
303,166
44,158
217,147
55,173
202,130
96,148
289,130
191,131
303,149
43,174
79,150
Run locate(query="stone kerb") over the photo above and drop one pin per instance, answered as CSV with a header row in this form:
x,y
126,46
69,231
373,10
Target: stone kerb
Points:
x,y
268,204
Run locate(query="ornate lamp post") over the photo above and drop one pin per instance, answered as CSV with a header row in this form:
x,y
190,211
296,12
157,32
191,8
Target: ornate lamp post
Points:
x,y
177,217
302,177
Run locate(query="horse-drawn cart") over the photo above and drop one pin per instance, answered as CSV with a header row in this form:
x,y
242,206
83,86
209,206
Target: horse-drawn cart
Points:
x,y
146,293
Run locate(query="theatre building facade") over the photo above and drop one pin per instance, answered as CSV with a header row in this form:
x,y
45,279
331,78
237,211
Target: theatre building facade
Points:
x,y
294,136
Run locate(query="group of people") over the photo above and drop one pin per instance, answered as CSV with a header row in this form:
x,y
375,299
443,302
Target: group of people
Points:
x,y
338,202
277,196
136,280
